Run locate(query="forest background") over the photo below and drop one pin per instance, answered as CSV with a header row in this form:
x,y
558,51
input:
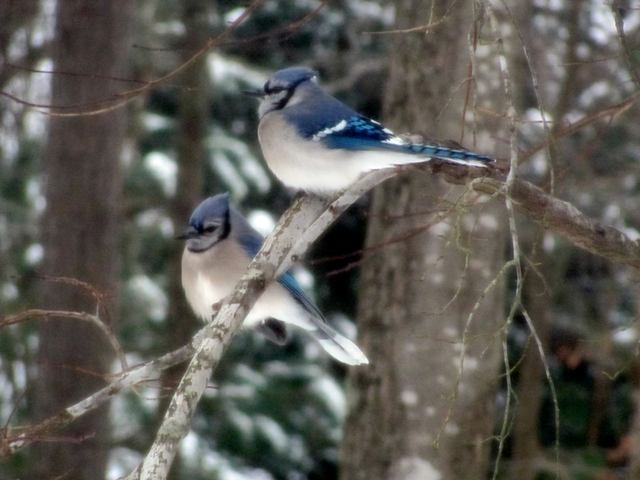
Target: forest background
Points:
x,y
117,118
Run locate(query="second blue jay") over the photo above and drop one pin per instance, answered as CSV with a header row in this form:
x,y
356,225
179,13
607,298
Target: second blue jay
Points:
x,y
314,142
220,243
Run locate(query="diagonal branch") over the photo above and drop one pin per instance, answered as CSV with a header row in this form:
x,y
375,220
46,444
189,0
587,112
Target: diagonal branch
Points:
x,y
15,438
558,216
565,219
303,222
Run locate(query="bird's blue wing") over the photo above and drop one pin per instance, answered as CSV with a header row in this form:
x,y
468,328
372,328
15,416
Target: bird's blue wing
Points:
x,y
251,243
357,133
360,133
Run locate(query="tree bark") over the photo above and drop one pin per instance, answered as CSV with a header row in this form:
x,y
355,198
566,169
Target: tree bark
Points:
x,y
80,232
413,416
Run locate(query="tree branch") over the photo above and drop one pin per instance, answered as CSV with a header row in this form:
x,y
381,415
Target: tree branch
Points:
x,y
563,218
15,438
301,224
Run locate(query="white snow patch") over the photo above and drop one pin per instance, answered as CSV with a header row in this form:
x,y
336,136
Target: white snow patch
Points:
x,y
450,332
602,27
549,242
169,29
35,124
409,398
234,14
154,121
246,374
35,196
415,468
626,336
632,233
374,10
222,69
238,391
19,375
242,422
436,278
150,295
594,92
332,395
535,115
237,152
488,221
612,213
9,291
343,324
304,277
227,472
272,431
156,219
539,164
451,429
229,174
164,169
122,461
262,221
34,254
440,228
470,363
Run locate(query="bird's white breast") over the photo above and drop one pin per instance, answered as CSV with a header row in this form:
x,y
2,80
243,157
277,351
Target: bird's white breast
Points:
x,y
208,277
308,165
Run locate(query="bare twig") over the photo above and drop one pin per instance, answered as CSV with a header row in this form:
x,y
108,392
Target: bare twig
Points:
x,y
14,438
634,69
112,102
95,320
115,101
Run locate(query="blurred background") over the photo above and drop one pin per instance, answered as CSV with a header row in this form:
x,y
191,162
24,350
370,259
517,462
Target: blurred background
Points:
x,y
90,205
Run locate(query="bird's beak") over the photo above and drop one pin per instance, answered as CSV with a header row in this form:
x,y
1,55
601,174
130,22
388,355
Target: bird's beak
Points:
x,y
253,93
188,234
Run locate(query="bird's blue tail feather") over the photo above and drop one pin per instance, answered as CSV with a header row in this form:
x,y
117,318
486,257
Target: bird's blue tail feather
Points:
x,y
446,153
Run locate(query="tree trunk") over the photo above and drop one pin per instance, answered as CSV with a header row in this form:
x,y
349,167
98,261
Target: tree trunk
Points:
x,y
80,232
413,417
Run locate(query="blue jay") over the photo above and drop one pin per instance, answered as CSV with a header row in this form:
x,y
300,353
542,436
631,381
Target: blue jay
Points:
x,y
314,142
220,243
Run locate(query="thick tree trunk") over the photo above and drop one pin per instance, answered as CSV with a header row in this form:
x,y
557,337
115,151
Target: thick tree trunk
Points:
x,y
80,231
413,416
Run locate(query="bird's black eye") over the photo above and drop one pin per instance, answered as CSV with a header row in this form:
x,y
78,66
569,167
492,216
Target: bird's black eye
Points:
x,y
210,229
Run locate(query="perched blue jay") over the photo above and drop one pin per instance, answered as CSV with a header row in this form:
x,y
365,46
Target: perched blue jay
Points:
x,y
314,142
220,243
